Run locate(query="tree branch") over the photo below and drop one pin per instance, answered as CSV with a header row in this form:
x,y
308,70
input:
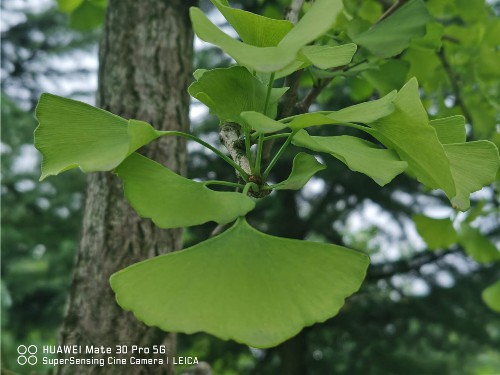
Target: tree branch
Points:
x,y
452,77
292,13
387,270
229,136
393,8
315,91
290,99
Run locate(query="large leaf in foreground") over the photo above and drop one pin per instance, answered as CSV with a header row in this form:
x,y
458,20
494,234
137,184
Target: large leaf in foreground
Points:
x,y
382,165
250,287
393,34
304,167
173,201
74,134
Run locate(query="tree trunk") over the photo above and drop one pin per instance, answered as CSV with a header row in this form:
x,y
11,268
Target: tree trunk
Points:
x,y
145,65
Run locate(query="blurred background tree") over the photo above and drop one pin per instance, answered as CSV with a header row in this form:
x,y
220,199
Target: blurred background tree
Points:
x,y
419,312
40,221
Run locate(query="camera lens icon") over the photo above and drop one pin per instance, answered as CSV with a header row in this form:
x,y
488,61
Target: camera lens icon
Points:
x,y
27,355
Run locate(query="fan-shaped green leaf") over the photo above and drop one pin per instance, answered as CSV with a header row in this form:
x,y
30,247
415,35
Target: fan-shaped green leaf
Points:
x,y
364,112
381,165
473,165
292,67
408,132
173,201
230,91
313,24
254,288
491,296
324,57
304,167
261,123
437,233
316,22
393,34
252,28
74,134
327,57
477,246
450,129
261,59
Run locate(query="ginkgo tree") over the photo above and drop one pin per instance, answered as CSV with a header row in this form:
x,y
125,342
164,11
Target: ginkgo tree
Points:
x,y
255,288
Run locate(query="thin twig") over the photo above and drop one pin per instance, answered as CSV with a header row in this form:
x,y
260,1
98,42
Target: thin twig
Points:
x,y
288,102
292,13
242,172
393,8
218,230
303,106
406,265
454,85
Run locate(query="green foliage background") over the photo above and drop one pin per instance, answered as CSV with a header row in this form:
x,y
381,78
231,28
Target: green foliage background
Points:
x,y
418,312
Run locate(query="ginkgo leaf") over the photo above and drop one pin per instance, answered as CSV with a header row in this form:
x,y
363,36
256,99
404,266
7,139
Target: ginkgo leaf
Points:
x,y
473,165
317,21
304,167
450,129
477,245
292,67
74,134
382,165
261,123
262,59
256,289
457,168
393,34
491,296
408,132
173,201
327,57
437,233
366,112
252,28
312,25
230,91
322,56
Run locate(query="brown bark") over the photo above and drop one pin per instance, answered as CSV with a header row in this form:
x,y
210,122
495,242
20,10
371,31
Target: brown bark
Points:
x,y
145,65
